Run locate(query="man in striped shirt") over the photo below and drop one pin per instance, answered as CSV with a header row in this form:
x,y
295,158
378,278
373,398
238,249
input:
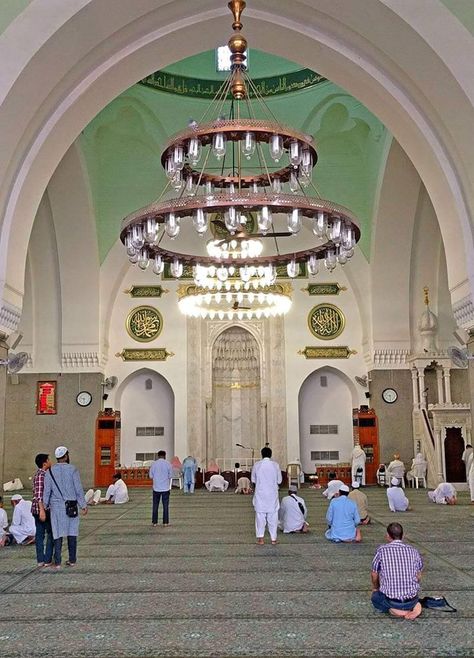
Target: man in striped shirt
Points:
x,y
40,514
396,574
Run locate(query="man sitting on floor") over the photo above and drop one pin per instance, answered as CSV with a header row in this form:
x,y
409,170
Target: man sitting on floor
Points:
x,y
22,527
343,518
244,486
397,501
117,493
396,574
217,483
444,494
360,499
3,523
292,512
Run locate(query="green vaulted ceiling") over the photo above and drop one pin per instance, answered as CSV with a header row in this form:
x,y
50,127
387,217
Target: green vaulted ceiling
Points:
x,y
122,145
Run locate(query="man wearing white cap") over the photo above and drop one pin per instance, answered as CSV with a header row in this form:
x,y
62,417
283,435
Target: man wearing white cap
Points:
x,y
333,487
397,501
292,512
63,488
343,518
22,527
360,499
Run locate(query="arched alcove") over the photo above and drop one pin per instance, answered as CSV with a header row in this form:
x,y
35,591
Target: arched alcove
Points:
x,y
146,402
325,403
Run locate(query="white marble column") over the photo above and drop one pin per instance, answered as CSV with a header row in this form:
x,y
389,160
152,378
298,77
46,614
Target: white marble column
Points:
x,y
447,385
439,454
208,433
3,390
439,381
414,381
421,388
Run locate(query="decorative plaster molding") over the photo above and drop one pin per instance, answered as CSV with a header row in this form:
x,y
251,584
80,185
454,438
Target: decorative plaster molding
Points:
x,y
389,358
75,360
449,406
464,312
9,316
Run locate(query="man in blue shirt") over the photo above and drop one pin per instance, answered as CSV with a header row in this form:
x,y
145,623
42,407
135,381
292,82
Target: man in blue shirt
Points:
x,y
343,518
161,473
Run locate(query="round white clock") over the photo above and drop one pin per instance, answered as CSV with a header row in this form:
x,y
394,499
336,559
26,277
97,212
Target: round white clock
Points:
x,y
389,395
84,398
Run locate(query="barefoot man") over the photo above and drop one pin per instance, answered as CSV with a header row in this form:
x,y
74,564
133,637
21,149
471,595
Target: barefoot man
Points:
x,y
266,476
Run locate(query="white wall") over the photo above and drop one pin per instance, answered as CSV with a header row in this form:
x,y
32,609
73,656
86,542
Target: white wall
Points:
x,y
325,406
141,407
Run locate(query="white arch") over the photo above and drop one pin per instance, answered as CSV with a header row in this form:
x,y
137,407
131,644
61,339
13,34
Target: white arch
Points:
x,y
42,114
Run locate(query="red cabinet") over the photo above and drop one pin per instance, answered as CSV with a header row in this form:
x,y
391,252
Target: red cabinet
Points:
x,y
366,433
107,447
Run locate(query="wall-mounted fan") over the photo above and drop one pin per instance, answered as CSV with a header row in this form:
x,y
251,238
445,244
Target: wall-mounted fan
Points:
x,y
363,381
110,383
459,357
15,362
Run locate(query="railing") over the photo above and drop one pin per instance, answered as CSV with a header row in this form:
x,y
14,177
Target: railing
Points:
x,y
228,463
423,433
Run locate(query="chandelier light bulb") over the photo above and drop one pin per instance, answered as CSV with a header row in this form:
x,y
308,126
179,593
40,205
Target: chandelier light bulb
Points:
x,y
295,153
222,274
293,182
313,265
276,184
294,221
137,239
209,190
330,260
176,268
143,260
131,251
178,157
133,258
177,181
342,257
194,151
320,224
200,221
248,145
232,220
275,146
151,230
172,226
219,143
292,269
158,264
170,168
265,219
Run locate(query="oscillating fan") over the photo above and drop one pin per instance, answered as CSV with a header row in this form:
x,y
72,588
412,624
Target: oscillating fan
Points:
x,y
459,357
363,381
15,362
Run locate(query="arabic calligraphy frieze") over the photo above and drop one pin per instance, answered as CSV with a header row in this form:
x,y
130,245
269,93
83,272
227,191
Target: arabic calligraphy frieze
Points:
x,y
272,86
144,323
334,352
323,289
146,291
326,321
144,354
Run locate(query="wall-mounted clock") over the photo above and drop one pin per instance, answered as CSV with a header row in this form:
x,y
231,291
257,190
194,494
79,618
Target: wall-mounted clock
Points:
x,y
84,398
389,395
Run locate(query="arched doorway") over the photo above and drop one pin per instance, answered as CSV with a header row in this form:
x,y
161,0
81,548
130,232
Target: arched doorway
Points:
x,y
146,402
236,397
453,449
325,404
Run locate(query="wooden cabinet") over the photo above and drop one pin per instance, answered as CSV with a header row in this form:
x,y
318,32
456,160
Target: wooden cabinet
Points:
x,y
366,433
107,447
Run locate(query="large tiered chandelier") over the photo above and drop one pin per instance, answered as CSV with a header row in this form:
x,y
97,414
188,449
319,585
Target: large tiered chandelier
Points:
x,y
244,176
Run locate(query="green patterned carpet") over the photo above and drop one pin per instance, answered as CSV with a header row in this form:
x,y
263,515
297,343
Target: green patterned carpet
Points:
x,y
203,588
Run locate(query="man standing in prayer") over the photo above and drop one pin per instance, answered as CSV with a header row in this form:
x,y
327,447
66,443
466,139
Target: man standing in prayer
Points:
x,y
216,483
465,457
360,499
161,472
40,514
188,470
62,483
22,527
396,573
470,476
343,518
266,476
444,494
293,512
358,464
397,501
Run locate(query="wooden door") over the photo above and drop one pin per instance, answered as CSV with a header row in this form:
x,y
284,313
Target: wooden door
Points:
x,y
453,449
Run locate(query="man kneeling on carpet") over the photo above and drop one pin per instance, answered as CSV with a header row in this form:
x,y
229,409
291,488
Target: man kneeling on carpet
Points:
x,y
396,573
292,512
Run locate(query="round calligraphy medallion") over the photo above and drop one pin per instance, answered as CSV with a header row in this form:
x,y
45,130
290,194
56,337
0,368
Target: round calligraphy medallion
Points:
x,y
326,321
144,323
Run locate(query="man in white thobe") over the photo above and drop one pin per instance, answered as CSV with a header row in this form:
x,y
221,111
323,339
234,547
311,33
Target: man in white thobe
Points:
x,y
397,501
418,468
22,527
358,462
470,476
217,483
444,494
293,511
465,457
396,469
333,488
244,486
266,476
3,523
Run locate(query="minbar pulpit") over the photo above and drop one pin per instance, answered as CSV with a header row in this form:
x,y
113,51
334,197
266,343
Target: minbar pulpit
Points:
x,y
366,434
107,446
